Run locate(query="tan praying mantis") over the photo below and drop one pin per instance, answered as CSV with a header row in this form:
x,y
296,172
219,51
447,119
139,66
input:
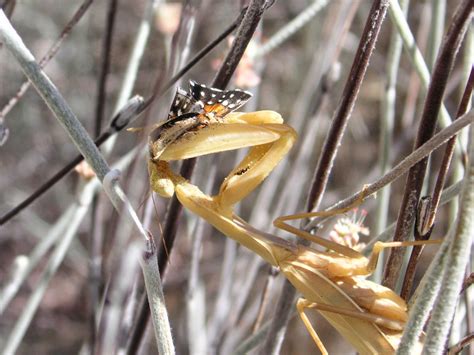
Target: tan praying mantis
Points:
x,y
370,316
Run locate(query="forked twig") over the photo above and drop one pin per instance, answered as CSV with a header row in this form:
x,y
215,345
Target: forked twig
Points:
x,y
402,167
369,37
46,58
426,224
118,125
443,67
246,29
86,146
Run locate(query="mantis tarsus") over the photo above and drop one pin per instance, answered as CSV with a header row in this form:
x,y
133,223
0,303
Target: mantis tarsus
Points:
x,y
370,316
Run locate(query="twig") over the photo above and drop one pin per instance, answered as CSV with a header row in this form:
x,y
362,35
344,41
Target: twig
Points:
x,y
96,235
426,130
47,57
457,348
195,298
86,146
182,38
291,28
448,195
29,310
255,9
458,258
427,292
438,13
118,126
387,119
414,53
427,224
467,282
120,121
11,287
333,139
105,65
124,280
401,168
413,91
346,104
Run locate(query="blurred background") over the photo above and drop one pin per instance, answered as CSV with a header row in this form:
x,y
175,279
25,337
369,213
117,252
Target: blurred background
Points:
x,y
214,289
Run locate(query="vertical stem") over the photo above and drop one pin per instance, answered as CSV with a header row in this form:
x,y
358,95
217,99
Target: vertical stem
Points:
x,y
345,106
369,37
458,257
427,126
387,119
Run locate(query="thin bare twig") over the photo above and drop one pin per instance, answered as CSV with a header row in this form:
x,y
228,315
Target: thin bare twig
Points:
x,y
467,282
369,37
88,149
402,167
105,65
442,69
457,348
246,29
96,232
428,223
346,104
118,125
43,62
119,121
458,257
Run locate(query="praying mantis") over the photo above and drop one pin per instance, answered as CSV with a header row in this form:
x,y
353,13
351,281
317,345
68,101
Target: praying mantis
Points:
x,y
203,121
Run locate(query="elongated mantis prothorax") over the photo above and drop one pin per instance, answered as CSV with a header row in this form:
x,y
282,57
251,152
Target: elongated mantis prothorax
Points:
x,y
370,316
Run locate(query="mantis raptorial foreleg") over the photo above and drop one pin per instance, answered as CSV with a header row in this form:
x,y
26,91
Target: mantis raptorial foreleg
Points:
x,y
367,314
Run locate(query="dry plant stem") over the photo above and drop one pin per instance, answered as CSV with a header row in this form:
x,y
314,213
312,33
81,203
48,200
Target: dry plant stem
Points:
x,y
291,28
105,65
11,287
62,227
346,104
399,20
48,56
201,54
427,126
244,35
264,298
438,13
447,195
195,303
133,67
96,226
387,120
402,167
314,89
426,295
115,306
448,154
246,29
252,342
467,282
413,90
458,258
372,27
120,121
306,95
29,310
181,41
86,146
440,181
456,349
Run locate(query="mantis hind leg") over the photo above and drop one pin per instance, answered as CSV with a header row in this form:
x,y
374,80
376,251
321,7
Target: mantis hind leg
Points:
x,y
301,305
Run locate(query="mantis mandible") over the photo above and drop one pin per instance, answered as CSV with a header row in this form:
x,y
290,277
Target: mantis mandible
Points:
x,y
203,121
